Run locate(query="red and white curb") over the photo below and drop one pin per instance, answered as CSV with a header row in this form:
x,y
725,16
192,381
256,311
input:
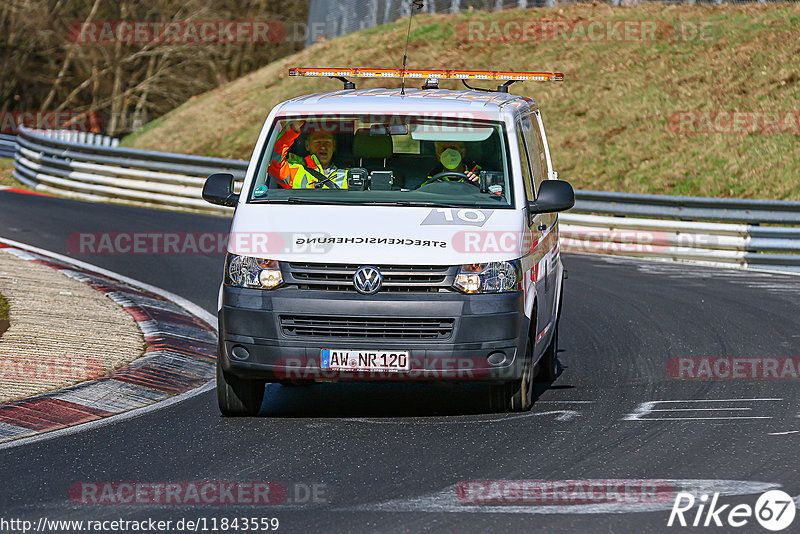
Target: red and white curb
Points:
x,y
179,357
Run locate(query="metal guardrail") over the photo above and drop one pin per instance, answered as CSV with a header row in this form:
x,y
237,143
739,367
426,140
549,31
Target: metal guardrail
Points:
x,y
742,245
686,229
690,208
104,172
74,136
710,230
7,146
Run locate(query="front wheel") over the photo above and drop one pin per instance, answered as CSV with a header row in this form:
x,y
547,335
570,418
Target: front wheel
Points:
x,y
515,396
548,363
236,396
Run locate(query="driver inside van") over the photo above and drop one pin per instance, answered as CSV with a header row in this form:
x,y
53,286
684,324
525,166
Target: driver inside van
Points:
x,y
316,170
451,156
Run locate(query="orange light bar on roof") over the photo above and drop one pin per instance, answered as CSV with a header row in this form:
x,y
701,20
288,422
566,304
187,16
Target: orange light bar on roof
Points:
x,y
429,73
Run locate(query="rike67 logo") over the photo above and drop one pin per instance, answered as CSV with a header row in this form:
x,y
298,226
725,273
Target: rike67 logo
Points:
x,y
774,510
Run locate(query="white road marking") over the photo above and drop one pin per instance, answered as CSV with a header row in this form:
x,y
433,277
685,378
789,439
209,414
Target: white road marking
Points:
x,y
717,400
698,409
446,500
562,415
700,418
564,401
783,433
643,410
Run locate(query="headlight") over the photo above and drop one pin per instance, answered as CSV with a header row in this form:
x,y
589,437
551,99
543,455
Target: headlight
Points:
x,y
247,271
494,277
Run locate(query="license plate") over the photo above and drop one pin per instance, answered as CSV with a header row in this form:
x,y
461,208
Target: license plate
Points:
x,y
365,360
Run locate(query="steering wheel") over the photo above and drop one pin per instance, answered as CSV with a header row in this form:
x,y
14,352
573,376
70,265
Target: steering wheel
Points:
x,y
325,179
440,177
333,185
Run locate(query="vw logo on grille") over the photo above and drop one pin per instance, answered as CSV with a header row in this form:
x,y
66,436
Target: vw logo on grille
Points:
x,y
367,280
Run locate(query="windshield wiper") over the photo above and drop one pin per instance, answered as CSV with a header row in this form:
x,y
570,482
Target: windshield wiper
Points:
x,y
423,203
411,203
298,200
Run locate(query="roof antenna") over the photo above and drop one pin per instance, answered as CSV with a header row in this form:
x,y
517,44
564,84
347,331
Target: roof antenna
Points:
x,y
418,5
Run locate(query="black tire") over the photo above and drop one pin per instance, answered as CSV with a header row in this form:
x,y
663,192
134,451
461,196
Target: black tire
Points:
x,y
238,397
515,396
548,363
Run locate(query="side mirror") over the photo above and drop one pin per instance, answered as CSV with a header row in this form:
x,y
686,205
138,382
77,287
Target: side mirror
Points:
x,y
554,195
218,189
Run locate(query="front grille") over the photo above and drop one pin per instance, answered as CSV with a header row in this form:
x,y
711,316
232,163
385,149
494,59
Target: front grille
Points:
x,y
396,278
343,327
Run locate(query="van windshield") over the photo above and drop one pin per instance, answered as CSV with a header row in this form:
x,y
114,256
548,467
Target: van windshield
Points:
x,y
370,159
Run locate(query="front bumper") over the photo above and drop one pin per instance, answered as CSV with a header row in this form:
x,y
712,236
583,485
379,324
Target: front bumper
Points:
x,y
490,327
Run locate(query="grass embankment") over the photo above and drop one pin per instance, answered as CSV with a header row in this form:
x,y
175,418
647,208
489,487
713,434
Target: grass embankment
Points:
x,y
3,308
6,168
608,122
3,314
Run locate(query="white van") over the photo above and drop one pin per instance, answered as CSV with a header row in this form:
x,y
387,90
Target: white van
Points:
x,y
388,234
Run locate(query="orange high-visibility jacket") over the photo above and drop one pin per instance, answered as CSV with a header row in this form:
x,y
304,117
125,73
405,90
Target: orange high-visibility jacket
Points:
x,y
290,170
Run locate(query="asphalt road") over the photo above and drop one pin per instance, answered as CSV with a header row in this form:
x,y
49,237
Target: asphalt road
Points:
x,y
391,457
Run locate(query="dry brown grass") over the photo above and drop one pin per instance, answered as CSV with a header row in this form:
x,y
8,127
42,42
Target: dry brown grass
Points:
x,y
607,122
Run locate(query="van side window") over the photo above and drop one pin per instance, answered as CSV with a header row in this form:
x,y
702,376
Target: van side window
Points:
x,y
523,160
533,141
